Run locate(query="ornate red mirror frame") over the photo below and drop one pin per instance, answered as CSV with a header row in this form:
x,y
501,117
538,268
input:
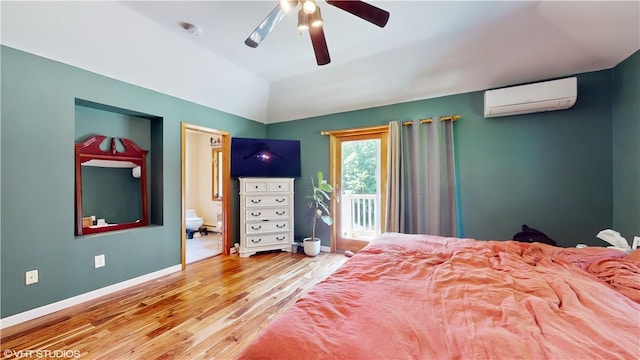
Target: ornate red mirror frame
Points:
x,y
88,153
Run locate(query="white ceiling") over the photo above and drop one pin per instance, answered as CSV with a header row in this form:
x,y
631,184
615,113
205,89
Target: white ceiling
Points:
x,y
428,49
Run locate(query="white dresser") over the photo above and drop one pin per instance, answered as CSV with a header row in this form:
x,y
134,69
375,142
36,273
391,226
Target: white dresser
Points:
x,y
266,215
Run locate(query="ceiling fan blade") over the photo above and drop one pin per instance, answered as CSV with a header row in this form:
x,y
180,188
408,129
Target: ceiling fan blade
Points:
x,y
363,10
265,27
319,45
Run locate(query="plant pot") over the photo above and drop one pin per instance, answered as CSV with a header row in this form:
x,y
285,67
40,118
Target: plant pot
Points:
x,y
311,246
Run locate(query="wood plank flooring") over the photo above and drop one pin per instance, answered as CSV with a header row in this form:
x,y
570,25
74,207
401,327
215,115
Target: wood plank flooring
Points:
x,y
212,310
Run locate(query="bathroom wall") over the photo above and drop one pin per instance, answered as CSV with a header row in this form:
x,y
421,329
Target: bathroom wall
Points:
x,y
205,205
191,169
199,185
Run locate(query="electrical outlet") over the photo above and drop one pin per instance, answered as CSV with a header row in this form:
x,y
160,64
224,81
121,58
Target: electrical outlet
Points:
x,y
31,277
99,261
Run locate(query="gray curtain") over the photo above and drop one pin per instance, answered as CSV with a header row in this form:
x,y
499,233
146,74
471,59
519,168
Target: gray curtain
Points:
x,y
421,184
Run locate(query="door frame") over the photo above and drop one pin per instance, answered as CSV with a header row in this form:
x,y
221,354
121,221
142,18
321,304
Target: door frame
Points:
x,y
226,186
335,137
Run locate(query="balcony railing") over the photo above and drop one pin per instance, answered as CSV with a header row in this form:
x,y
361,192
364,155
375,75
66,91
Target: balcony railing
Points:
x,y
360,215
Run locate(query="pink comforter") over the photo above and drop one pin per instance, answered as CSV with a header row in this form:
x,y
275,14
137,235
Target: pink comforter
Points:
x,y
427,297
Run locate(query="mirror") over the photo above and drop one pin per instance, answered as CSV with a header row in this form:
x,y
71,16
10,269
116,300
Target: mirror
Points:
x,y
110,186
216,176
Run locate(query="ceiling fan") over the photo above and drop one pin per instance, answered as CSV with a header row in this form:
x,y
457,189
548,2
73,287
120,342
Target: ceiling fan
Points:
x,y
309,18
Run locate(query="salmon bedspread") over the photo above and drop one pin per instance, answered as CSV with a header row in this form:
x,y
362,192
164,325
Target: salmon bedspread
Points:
x,y
428,297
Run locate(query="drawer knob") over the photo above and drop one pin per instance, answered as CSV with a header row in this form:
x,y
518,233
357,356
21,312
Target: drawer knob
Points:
x,y
256,227
254,214
280,238
256,201
280,213
280,200
280,226
256,241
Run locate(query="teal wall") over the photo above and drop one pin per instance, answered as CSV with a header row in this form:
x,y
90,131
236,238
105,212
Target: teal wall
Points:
x,y
37,178
551,171
626,147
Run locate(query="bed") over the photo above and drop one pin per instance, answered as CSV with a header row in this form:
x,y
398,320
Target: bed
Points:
x,y
428,297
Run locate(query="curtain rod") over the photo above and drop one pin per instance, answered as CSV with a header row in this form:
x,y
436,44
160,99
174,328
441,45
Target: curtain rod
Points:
x,y
377,129
430,120
364,130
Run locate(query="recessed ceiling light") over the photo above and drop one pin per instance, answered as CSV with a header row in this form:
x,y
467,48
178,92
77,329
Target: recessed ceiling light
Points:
x,y
192,29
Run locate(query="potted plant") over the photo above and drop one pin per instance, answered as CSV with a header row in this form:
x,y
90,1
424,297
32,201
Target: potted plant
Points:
x,y
319,193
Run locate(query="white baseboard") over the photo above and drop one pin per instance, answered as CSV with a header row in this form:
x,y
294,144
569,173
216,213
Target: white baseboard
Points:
x,y
325,248
78,299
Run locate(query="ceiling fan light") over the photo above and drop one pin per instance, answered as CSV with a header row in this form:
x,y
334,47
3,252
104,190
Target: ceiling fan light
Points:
x,y
303,21
286,5
315,19
309,6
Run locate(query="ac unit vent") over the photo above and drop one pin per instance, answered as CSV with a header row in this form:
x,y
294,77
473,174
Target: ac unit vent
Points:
x,y
544,96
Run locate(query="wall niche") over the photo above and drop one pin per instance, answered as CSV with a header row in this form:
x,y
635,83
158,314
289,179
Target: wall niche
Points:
x,y
145,130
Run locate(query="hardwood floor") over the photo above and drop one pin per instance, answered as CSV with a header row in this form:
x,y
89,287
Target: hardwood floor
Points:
x,y
214,309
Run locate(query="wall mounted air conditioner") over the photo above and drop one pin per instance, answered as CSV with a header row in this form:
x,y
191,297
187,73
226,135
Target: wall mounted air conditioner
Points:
x,y
543,96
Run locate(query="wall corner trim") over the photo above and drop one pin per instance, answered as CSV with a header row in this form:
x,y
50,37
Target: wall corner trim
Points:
x,y
78,299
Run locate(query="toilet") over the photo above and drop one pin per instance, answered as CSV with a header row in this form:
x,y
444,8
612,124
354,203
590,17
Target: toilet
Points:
x,y
193,223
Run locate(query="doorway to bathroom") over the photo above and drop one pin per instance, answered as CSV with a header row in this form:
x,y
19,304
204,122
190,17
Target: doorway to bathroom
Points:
x,y
205,168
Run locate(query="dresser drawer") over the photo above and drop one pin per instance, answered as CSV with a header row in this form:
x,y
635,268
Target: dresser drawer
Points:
x,y
276,186
255,186
265,214
267,186
266,200
270,239
266,226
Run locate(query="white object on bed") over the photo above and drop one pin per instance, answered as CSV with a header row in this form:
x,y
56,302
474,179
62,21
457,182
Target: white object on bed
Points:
x,y
614,238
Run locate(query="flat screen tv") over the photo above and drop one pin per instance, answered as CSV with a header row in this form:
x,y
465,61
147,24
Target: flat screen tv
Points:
x,y
265,157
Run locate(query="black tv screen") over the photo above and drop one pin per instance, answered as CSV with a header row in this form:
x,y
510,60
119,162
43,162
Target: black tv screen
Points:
x,y
265,157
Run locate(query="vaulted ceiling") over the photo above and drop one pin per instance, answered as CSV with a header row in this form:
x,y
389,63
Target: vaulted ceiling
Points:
x,y
428,49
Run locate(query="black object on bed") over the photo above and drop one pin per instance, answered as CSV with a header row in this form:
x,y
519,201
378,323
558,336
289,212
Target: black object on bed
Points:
x,y
532,235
